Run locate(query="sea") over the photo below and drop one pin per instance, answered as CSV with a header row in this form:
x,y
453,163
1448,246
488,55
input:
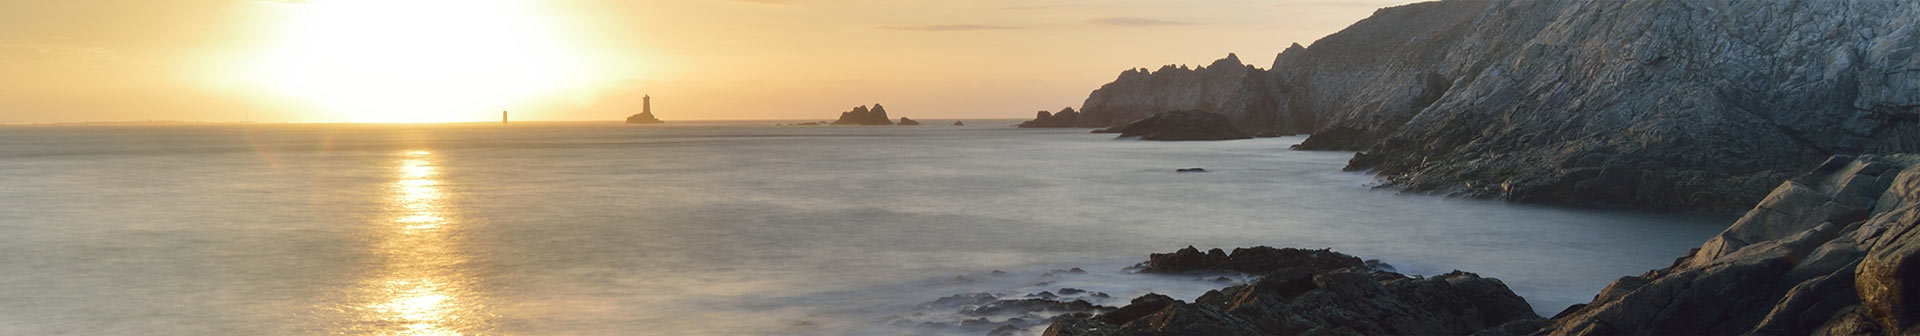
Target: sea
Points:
x,y
704,228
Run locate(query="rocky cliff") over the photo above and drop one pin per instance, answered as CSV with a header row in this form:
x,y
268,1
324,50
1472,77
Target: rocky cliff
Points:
x,y
1665,104
1242,93
863,116
1834,252
1676,104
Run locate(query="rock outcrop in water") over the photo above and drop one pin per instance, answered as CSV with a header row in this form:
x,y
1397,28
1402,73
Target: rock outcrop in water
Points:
x,y
1188,125
1307,292
863,116
1657,104
1834,252
1245,95
1066,118
908,122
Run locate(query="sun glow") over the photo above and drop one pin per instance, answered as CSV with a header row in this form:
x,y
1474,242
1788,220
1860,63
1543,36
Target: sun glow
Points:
x,y
420,60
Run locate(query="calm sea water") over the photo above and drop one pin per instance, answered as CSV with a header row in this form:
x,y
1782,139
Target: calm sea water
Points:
x,y
696,229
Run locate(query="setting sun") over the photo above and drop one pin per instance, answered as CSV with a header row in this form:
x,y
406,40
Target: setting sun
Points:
x,y
419,60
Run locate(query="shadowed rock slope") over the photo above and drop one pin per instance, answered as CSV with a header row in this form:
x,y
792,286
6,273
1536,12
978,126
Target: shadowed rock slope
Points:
x,y
1835,252
1664,104
1696,104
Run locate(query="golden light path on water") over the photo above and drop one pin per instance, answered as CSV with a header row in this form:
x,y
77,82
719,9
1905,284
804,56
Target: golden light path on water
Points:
x,y
422,287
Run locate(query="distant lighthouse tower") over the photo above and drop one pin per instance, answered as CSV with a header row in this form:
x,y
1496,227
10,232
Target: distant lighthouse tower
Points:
x,y
646,112
503,117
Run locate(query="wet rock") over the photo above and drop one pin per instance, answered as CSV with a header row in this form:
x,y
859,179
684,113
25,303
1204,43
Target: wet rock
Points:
x,y
1826,253
1309,292
1190,170
1184,125
1254,260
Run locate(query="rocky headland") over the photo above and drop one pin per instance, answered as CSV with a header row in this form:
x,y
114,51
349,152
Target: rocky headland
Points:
x,y
861,115
1650,104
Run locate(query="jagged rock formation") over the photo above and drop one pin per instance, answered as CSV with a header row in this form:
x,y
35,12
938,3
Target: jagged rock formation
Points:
x,y
1834,252
908,122
1242,93
1066,118
1189,125
1665,104
863,116
1661,104
1307,292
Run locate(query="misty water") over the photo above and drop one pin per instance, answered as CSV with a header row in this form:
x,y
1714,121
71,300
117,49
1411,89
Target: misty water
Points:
x,y
699,229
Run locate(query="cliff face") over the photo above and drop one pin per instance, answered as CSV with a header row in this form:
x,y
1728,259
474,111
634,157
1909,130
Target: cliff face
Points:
x,y
1654,103
1665,104
1242,93
1831,253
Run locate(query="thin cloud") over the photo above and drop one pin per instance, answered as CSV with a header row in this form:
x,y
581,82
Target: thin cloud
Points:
x,y
1135,21
947,27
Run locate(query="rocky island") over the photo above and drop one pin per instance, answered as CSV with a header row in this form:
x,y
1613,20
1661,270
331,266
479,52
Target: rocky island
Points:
x,y
861,115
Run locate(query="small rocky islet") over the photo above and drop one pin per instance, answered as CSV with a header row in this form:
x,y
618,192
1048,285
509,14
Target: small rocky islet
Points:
x,y
875,116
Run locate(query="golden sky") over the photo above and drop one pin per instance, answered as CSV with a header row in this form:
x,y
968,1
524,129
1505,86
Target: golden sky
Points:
x,y
466,60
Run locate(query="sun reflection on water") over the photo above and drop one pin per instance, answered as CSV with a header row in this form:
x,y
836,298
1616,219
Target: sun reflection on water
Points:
x,y
422,287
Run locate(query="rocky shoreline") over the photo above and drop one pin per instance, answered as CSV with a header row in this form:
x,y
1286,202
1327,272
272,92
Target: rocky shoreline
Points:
x,y
1581,102
1832,252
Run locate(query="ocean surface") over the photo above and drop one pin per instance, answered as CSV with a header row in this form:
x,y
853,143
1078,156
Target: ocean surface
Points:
x,y
726,228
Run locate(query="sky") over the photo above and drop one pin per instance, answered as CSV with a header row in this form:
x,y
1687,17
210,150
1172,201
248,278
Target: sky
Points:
x,y
467,60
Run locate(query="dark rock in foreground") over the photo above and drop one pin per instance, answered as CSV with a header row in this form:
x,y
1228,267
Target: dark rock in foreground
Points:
x,y
1308,292
1187,125
1066,118
1834,252
863,116
908,122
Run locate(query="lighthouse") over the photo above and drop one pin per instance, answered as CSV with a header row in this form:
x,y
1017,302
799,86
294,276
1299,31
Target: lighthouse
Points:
x,y
646,112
